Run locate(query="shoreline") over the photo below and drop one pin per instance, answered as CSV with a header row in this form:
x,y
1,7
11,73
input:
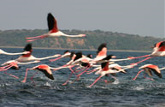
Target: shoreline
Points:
x,y
76,49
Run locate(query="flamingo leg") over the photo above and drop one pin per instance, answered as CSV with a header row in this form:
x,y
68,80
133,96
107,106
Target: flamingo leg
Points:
x,y
148,78
68,79
52,60
141,61
36,37
4,68
30,39
33,77
83,72
80,69
25,75
137,74
78,76
139,57
95,81
89,72
11,75
72,72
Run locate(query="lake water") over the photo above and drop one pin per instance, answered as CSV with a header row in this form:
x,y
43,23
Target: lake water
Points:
x,y
48,93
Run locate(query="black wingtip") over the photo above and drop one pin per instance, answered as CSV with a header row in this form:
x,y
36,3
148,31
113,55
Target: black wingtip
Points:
x,y
50,15
72,53
108,57
50,20
50,76
78,55
162,44
28,47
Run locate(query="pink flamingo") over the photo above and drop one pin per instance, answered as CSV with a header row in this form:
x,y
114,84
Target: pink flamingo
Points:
x,y
106,70
53,30
43,68
29,57
158,51
13,65
149,68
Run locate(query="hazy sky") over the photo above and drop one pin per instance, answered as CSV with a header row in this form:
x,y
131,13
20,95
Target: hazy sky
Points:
x,y
143,17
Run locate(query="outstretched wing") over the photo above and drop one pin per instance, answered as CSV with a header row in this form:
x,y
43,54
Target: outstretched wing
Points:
x,y
52,23
28,47
102,50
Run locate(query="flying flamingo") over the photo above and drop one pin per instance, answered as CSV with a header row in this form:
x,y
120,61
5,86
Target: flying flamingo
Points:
x,y
53,30
7,53
158,51
13,64
149,68
43,68
29,57
106,70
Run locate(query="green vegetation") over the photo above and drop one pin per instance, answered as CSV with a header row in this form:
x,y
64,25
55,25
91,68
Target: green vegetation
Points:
x,y
114,40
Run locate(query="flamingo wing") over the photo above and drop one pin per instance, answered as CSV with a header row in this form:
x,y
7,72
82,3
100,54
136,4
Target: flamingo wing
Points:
x,y
105,66
153,68
162,44
28,47
52,23
102,50
157,72
78,55
50,76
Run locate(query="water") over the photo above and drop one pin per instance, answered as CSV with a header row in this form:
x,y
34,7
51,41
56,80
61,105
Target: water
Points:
x,y
48,93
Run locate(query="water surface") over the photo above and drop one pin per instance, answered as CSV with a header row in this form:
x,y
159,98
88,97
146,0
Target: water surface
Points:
x,y
48,93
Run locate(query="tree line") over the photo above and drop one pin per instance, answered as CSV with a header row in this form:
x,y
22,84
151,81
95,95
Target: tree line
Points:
x,y
114,40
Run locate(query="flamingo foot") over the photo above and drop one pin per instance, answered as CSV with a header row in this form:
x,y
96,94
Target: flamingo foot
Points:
x,y
65,83
23,81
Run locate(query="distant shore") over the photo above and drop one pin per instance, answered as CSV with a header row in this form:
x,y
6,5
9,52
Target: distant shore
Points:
x,y
75,49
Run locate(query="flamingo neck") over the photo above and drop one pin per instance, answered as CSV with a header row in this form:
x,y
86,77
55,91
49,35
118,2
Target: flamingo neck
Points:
x,y
6,53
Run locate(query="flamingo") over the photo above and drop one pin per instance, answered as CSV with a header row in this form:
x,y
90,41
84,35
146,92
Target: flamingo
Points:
x,y
158,51
29,57
43,68
13,64
7,53
106,70
53,30
149,68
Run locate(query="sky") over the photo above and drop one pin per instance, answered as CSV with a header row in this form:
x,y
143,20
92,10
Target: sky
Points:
x,y
141,17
